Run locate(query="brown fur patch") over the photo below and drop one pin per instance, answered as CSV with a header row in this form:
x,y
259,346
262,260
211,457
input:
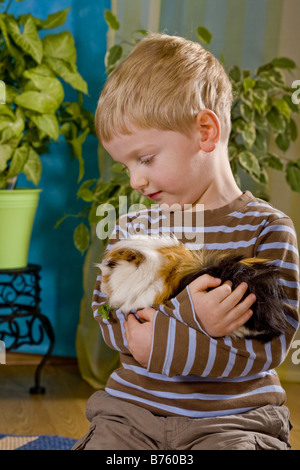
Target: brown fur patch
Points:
x,y
105,280
177,262
129,255
250,261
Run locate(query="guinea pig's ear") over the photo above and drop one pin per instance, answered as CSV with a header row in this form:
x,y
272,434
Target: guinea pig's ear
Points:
x,y
128,254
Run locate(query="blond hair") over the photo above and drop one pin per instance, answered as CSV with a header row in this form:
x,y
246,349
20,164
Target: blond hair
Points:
x,y
163,83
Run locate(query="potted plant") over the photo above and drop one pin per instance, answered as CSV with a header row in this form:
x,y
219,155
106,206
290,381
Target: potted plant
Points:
x,y
263,108
33,113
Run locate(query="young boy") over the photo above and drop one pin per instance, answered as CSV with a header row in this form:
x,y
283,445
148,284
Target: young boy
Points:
x,y
184,384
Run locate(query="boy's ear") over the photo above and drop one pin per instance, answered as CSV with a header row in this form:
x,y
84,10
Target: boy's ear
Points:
x,y
208,125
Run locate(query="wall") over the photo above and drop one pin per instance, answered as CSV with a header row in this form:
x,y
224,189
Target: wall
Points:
x,y
53,248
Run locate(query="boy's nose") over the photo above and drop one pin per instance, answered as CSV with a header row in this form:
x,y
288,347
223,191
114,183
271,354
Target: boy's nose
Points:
x,y
138,181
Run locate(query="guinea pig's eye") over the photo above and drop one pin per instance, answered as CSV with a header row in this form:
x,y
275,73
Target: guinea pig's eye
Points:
x,y
111,264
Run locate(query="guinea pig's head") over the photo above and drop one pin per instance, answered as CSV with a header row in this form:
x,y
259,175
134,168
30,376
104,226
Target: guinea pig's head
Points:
x,y
130,272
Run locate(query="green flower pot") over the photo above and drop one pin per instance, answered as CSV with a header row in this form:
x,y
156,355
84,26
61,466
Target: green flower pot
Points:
x,y
17,212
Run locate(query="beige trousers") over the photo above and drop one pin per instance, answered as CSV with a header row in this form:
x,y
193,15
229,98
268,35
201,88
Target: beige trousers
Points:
x,y
119,425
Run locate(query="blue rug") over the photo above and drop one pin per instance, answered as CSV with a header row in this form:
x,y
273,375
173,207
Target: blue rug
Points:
x,y
13,442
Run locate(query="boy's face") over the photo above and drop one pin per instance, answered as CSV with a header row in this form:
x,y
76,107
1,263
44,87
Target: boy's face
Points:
x,y
168,167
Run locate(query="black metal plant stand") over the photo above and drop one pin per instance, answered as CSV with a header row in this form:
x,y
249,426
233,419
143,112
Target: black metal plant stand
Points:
x,y
21,321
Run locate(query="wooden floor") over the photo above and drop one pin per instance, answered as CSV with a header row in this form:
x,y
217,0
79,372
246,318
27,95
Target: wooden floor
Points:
x,y
61,411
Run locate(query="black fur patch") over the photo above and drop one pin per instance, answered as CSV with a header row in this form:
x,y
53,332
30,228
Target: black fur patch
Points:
x,y
262,279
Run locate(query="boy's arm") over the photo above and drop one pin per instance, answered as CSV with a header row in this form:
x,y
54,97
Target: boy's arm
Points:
x,y
181,346
112,328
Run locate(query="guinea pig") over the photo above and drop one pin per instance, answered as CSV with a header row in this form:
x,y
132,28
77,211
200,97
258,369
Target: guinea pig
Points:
x,y
143,270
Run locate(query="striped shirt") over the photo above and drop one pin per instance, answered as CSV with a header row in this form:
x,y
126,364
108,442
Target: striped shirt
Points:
x,y
190,373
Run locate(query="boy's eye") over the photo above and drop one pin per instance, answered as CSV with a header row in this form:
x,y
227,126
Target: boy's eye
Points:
x,y
147,160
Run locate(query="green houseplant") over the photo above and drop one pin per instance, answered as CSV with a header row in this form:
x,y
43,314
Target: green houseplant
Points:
x,y
32,115
262,110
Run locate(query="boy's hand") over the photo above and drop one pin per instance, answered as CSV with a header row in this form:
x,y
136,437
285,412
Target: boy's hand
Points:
x,y
139,335
220,311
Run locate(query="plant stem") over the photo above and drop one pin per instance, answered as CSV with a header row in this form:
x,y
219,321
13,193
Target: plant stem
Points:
x,y
12,182
8,5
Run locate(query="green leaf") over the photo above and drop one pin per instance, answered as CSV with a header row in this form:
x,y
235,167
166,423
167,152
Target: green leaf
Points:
x,y
261,122
248,83
16,128
76,145
92,217
49,85
86,195
7,111
283,63
73,109
2,92
42,70
276,120
239,125
37,101
264,68
5,154
85,192
29,41
18,161
67,73
283,141
274,78
293,175
48,124
143,32
60,46
113,55
19,65
250,163
69,130
53,20
293,130
261,141
274,161
282,107
105,311
259,99
5,121
11,93
204,34
289,100
263,177
111,20
33,167
247,112
235,73
264,84
249,135
81,237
